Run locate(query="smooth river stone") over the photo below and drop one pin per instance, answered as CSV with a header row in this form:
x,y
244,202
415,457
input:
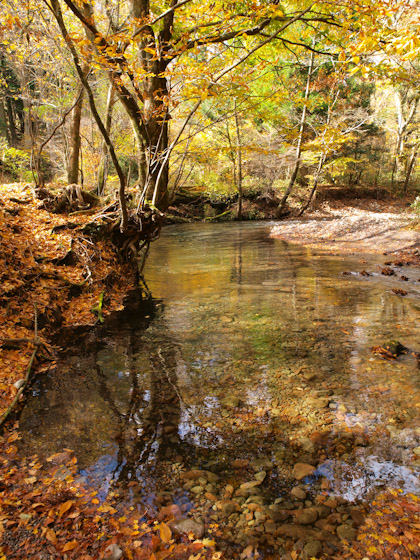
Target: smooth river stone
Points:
x,y
302,470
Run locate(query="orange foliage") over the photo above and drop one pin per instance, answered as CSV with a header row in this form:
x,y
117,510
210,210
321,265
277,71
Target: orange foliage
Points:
x,y
31,275
391,530
48,512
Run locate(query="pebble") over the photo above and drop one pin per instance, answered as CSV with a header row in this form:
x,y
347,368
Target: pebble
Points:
x,y
240,463
346,532
331,503
298,493
113,552
312,549
231,402
19,383
261,464
306,444
197,474
306,516
189,526
357,517
250,485
229,489
227,506
261,475
302,470
318,403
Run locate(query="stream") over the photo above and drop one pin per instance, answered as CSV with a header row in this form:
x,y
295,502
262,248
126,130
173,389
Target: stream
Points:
x,y
249,356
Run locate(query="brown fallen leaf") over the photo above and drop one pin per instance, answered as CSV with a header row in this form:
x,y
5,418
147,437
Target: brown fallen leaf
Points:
x,y
165,533
70,546
65,507
51,536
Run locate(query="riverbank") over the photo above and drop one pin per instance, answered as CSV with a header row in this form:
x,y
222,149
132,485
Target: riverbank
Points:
x,y
56,273
349,226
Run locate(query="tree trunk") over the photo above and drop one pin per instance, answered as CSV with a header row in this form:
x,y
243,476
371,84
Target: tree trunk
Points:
x,y
12,127
103,166
239,164
410,168
4,127
83,78
159,165
75,141
402,134
300,139
142,164
315,185
232,155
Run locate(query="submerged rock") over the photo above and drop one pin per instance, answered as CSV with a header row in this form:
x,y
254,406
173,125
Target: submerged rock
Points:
x,y
302,470
318,402
306,516
261,475
298,493
346,532
189,526
231,402
312,549
196,474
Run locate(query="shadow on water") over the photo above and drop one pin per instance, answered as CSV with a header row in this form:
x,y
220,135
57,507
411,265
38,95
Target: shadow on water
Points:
x,y
253,356
114,399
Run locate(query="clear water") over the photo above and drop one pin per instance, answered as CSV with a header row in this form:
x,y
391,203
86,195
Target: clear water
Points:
x,y
230,358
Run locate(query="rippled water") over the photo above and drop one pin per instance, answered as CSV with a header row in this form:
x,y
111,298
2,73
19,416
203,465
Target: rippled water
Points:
x,y
248,348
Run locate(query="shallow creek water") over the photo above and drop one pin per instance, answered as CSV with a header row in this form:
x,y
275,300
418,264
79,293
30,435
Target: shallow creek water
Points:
x,y
251,355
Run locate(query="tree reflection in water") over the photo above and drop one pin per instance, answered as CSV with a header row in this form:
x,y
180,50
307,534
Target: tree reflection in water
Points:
x,y
134,374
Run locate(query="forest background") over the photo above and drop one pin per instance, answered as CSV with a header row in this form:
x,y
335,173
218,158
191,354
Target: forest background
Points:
x,y
222,100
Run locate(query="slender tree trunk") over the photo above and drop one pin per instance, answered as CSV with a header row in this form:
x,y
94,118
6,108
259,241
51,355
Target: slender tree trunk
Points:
x,y
4,127
239,164
83,78
142,164
315,185
159,168
300,139
103,166
402,134
75,140
27,134
12,126
232,156
410,168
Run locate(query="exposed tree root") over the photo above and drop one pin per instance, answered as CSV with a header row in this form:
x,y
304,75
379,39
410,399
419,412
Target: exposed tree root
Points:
x,y
71,198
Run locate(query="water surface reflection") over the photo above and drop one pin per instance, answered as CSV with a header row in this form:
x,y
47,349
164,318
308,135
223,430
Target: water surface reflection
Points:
x,y
250,349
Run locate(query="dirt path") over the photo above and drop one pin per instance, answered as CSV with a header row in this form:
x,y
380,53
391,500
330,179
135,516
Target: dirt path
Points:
x,y
353,229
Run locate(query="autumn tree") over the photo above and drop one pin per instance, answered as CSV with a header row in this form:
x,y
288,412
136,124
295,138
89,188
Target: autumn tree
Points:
x,y
142,59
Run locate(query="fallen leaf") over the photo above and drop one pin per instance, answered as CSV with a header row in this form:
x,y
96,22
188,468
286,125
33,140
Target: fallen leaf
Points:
x,y
65,507
69,546
51,536
165,533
